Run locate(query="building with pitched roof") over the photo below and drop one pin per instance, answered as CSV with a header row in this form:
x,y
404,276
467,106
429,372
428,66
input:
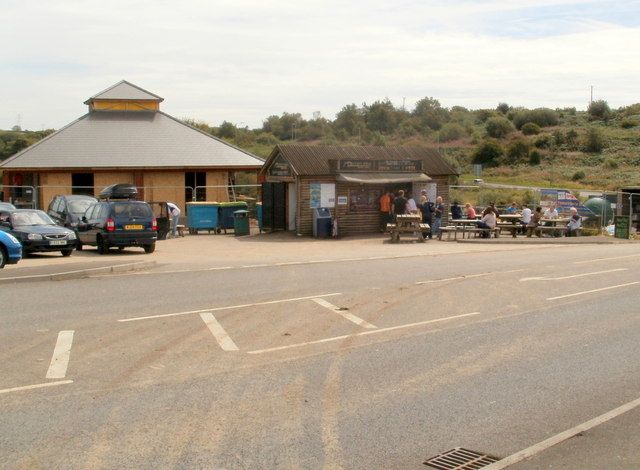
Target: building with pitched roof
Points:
x,y
126,138
348,180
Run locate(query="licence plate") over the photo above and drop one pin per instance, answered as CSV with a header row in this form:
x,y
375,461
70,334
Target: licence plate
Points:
x,y
133,227
57,242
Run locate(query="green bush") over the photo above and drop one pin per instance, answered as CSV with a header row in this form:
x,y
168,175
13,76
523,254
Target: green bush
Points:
x,y
543,117
578,175
599,110
535,157
517,151
610,163
451,131
503,108
571,138
530,128
558,138
488,153
629,123
594,140
543,142
498,127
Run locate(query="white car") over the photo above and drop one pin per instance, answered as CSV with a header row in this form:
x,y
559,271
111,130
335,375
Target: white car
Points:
x,y
478,181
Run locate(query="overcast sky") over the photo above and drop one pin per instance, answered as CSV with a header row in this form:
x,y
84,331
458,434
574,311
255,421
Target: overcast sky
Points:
x,y
243,60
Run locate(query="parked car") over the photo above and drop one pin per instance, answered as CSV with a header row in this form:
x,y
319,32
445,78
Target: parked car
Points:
x,y
119,224
67,210
5,206
37,231
10,249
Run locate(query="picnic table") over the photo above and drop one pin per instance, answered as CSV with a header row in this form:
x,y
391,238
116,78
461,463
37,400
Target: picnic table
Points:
x,y
554,226
510,222
408,224
463,226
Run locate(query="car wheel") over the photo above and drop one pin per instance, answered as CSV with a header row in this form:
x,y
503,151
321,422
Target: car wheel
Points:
x,y
150,248
103,246
3,257
66,253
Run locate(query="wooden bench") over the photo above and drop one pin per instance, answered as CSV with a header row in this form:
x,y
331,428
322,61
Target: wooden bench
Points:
x,y
449,230
418,229
511,228
478,231
181,230
540,229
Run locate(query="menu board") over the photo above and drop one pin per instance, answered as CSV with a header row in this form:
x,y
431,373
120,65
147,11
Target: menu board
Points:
x,y
279,167
621,223
364,200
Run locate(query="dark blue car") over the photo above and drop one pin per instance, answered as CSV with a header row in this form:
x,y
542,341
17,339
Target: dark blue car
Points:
x,y
10,249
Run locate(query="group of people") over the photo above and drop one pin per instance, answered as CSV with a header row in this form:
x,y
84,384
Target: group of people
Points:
x,y
403,203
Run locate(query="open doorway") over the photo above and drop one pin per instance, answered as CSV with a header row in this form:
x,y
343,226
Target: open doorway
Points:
x,y
82,183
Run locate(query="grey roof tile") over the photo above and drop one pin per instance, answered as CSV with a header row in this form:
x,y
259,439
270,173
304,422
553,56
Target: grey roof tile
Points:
x,y
124,90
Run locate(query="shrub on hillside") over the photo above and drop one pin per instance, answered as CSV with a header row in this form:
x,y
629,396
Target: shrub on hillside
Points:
x,y
482,115
558,138
498,127
530,128
451,131
610,163
543,117
518,151
503,108
535,157
594,140
571,138
629,123
599,110
488,153
578,175
543,142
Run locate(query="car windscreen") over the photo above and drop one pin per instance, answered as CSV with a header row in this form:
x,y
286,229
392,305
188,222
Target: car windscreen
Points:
x,y
30,218
129,209
80,206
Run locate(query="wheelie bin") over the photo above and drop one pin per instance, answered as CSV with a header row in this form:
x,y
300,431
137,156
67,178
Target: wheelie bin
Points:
x,y
227,209
203,216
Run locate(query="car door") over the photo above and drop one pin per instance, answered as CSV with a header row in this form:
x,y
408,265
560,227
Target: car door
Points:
x,y
87,234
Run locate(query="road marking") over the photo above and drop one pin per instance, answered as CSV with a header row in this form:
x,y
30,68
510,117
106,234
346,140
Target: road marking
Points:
x,y
230,307
563,436
349,316
524,279
593,290
32,387
221,336
468,276
363,333
61,353
604,259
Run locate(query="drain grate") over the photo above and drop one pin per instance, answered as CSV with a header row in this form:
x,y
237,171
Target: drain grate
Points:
x,y
460,459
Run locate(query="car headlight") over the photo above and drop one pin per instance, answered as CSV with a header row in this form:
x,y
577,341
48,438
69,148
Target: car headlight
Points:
x,y
71,236
34,236
12,238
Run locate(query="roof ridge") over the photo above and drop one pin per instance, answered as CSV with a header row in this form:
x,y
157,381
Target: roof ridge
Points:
x,y
120,83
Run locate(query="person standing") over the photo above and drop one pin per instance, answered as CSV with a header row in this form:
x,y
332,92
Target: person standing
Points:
x,y
399,204
426,208
174,211
412,207
438,211
385,209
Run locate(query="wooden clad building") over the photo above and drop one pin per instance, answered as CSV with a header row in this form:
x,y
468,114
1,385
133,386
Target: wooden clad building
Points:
x,y
348,180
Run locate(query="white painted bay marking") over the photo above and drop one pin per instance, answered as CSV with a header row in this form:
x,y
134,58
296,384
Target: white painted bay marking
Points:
x,y
469,276
524,279
604,259
563,436
61,353
31,387
349,316
230,307
593,290
363,333
221,336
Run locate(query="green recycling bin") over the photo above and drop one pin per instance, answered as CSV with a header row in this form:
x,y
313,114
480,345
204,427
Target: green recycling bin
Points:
x,y
241,222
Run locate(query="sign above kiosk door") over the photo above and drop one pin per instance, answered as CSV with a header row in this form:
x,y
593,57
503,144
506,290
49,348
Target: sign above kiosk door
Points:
x,y
389,166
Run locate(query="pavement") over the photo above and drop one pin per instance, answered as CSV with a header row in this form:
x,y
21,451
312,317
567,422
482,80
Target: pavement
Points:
x,y
210,251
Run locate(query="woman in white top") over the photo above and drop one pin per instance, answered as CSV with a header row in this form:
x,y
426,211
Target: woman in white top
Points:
x,y
488,221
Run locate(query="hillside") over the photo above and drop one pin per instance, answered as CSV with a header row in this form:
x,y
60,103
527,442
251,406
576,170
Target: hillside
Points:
x,y
594,149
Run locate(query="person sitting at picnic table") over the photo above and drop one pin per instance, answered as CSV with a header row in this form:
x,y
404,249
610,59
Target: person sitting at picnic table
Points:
x,y
412,208
550,213
575,223
456,211
526,218
426,208
488,221
399,204
534,222
512,209
471,212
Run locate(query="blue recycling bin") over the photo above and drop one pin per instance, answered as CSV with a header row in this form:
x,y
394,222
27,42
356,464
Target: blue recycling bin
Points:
x,y
203,216
259,215
227,209
322,223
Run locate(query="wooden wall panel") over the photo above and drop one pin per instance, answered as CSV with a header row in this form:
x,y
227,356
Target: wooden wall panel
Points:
x,y
52,184
217,178
103,179
165,186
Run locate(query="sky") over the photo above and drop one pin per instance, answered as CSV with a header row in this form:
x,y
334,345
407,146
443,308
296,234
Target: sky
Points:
x,y
243,60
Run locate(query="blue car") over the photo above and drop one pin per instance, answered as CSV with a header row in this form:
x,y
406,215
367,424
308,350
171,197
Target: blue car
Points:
x,y
10,249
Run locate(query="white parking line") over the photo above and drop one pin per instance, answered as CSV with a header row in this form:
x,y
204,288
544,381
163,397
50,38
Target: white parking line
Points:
x,y
469,276
31,387
563,436
60,358
593,290
524,279
221,336
604,259
370,332
349,316
230,307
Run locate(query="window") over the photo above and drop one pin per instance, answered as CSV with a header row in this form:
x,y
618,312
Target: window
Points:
x,y
82,183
